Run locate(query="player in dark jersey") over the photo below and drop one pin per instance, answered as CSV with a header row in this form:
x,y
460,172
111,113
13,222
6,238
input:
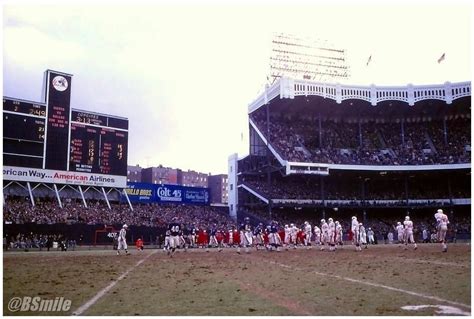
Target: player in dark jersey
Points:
x,y
175,231
274,238
192,233
212,237
258,236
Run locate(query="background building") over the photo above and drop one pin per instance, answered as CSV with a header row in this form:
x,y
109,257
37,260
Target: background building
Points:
x,y
192,178
175,176
218,185
160,175
134,174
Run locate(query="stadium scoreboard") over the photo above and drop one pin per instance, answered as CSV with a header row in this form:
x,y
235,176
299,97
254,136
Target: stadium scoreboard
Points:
x,y
53,136
98,144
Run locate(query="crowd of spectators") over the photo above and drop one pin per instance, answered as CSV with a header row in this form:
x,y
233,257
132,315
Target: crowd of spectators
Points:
x,y
304,187
20,211
305,139
40,241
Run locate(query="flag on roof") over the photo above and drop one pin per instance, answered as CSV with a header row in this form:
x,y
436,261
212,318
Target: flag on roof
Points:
x,y
442,58
370,59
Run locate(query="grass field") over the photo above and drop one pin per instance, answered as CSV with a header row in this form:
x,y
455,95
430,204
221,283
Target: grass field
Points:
x,y
377,281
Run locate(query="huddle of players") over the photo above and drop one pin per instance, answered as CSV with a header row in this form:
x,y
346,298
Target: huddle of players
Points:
x,y
328,235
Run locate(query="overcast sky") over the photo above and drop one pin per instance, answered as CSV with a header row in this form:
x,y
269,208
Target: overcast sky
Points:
x,y
184,74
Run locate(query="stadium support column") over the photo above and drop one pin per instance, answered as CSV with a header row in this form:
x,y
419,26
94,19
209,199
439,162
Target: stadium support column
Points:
x,y
128,200
360,134
106,199
269,177
57,196
82,196
31,194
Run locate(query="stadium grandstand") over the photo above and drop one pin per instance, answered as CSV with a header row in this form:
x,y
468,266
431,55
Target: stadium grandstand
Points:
x,y
320,150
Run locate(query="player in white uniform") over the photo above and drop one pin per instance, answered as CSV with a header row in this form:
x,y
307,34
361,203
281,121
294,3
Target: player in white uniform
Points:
x,y
370,236
246,239
400,233
442,227
286,240
363,235
231,237
338,233
317,235
355,233
331,234
307,233
122,240
324,233
293,233
409,232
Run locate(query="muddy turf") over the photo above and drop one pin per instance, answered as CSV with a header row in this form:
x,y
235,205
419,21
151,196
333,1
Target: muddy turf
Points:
x,y
379,280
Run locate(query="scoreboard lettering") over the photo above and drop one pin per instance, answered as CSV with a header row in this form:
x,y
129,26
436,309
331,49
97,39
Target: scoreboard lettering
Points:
x,y
24,107
96,149
53,136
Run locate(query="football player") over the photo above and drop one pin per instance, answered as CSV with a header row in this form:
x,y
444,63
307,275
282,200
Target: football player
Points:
x,y
442,227
287,236
408,235
307,233
212,237
338,233
355,233
175,230
400,233
363,235
317,235
258,236
245,235
293,234
122,240
331,234
324,233
192,236
273,237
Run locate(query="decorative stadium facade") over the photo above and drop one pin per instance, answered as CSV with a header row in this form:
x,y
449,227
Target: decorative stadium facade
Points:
x,y
323,146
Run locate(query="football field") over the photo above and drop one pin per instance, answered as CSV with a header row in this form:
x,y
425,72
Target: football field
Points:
x,y
381,280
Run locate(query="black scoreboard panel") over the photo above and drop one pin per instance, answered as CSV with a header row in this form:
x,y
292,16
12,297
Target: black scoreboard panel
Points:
x,y
58,97
23,133
21,127
24,107
95,147
97,143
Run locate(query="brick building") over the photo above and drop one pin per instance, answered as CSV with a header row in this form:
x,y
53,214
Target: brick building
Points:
x,y
218,188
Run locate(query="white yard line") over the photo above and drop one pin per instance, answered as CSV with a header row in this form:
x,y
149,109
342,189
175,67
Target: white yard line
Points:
x,y
408,292
101,293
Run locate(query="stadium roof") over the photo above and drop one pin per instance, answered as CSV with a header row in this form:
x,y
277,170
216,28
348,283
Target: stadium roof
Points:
x,y
335,100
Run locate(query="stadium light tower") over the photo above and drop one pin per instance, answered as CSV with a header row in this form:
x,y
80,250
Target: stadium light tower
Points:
x,y
307,59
